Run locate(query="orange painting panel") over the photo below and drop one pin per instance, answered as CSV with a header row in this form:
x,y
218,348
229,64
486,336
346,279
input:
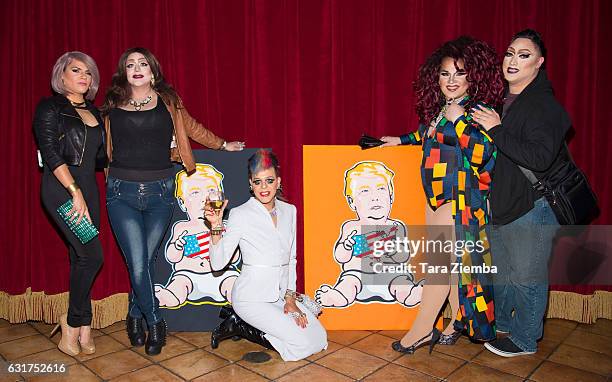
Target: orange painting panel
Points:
x,y
326,210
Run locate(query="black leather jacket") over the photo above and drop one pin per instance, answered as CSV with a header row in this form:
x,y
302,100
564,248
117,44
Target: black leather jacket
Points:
x,y
61,133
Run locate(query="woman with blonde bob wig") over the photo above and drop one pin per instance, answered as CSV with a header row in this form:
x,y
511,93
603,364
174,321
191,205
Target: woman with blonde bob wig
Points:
x,y
69,133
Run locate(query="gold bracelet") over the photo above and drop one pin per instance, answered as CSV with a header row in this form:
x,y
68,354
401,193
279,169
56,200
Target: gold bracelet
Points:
x,y
217,231
73,188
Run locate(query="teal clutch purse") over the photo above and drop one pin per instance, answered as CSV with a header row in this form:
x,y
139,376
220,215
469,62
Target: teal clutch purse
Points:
x,y
84,231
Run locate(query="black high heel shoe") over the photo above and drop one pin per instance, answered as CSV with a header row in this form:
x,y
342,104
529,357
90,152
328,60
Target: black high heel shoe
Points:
x,y
449,339
435,336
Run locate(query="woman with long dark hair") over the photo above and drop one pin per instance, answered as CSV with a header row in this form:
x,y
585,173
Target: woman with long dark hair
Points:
x,y
148,128
69,133
458,158
531,135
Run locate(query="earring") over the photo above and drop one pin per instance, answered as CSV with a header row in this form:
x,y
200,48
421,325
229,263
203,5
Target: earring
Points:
x,y
280,188
152,80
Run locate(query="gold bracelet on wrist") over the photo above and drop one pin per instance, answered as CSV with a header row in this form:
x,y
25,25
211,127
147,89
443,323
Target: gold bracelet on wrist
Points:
x,y
73,188
217,231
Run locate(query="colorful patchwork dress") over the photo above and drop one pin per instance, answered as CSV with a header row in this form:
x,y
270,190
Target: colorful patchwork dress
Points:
x,y
456,167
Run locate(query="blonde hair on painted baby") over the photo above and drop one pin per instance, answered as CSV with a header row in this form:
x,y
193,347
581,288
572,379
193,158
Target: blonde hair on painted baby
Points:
x,y
367,168
202,170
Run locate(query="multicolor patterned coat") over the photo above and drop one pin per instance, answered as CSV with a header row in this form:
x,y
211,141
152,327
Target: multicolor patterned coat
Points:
x,y
457,164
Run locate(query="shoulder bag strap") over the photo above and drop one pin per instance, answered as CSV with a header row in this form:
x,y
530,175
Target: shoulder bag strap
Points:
x,y
535,183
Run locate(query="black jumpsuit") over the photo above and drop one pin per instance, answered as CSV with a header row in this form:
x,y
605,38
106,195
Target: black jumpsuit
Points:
x,y
85,259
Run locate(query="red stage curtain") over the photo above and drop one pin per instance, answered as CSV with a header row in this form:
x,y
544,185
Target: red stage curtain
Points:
x,y
276,73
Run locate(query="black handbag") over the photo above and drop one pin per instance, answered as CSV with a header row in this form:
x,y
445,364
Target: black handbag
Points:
x,y
367,142
567,191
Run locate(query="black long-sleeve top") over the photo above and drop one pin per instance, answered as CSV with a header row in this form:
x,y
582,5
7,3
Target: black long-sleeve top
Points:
x,y
531,135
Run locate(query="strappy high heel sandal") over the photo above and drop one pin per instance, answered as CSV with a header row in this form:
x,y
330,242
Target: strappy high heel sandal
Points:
x,y
449,339
435,336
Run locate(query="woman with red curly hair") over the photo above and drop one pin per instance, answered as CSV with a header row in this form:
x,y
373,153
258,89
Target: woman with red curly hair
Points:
x,y
458,158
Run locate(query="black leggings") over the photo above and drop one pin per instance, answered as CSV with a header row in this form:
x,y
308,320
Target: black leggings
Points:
x,y
85,259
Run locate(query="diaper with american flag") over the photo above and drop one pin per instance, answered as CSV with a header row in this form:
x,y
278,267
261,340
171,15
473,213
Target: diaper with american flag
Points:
x,y
197,245
364,243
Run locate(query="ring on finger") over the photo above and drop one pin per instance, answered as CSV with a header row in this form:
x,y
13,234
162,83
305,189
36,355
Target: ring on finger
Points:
x,y
294,314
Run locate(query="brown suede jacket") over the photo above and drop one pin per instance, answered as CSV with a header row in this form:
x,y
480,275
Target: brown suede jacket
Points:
x,y
185,127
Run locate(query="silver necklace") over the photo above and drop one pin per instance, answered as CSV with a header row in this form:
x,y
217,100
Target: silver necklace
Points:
x,y
138,105
273,212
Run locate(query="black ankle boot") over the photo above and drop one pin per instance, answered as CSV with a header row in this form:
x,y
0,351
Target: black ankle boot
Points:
x,y
135,331
157,338
227,328
253,334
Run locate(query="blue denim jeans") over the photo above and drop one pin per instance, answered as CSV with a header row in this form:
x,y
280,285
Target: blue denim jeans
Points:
x,y
140,213
521,250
